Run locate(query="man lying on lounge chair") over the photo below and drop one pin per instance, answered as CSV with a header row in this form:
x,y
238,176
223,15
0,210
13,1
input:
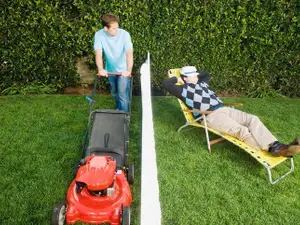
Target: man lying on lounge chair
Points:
x,y
197,95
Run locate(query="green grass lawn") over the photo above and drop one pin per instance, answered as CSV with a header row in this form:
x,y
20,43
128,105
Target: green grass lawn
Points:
x,y
41,140
227,186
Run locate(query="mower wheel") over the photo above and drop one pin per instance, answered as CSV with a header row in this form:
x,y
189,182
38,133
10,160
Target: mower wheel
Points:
x,y
130,174
59,214
125,217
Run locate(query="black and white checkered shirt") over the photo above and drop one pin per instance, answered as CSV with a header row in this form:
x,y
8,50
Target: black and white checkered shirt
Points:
x,y
200,97
196,96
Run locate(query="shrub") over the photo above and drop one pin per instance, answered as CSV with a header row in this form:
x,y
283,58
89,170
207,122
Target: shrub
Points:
x,y
34,88
248,45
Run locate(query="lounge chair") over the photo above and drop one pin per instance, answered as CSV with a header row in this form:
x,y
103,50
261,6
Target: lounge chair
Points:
x,y
263,157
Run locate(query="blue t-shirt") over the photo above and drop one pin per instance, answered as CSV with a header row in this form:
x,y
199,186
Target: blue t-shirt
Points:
x,y
114,48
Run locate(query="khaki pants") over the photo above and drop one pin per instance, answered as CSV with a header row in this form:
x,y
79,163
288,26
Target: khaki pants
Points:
x,y
246,127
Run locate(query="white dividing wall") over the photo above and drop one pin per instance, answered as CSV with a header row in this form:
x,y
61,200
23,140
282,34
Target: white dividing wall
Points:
x,y
150,205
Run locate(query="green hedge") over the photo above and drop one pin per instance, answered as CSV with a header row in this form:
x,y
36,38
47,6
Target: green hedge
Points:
x,y
252,47
38,44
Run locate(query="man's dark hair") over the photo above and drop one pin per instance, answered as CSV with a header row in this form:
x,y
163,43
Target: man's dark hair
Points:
x,y
108,19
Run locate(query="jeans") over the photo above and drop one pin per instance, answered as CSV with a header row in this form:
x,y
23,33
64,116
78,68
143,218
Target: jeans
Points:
x,y
120,88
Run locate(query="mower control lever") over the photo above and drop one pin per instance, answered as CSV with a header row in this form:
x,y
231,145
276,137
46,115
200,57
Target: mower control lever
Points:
x,y
89,99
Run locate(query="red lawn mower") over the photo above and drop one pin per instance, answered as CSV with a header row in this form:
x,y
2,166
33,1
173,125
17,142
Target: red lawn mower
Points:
x,y
100,192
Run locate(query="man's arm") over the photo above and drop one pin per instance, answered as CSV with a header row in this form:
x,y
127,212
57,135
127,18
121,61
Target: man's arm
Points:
x,y
129,62
204,76
129,54
99,63
170,86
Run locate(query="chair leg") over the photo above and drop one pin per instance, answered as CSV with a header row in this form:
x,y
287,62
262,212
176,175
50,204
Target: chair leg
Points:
x,y
183,126
206,133
283,176
188,124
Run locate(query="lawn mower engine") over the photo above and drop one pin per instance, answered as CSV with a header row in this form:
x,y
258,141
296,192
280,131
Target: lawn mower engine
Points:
x,y
99,194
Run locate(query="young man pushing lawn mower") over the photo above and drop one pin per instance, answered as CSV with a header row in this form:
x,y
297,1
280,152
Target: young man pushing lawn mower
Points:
x,y
100,191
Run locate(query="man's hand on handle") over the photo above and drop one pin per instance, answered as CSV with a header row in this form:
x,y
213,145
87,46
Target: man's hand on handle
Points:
x,y
126,74
102,73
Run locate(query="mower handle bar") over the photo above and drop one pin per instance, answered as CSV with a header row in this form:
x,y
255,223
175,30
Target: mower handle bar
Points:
x,y
115,74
